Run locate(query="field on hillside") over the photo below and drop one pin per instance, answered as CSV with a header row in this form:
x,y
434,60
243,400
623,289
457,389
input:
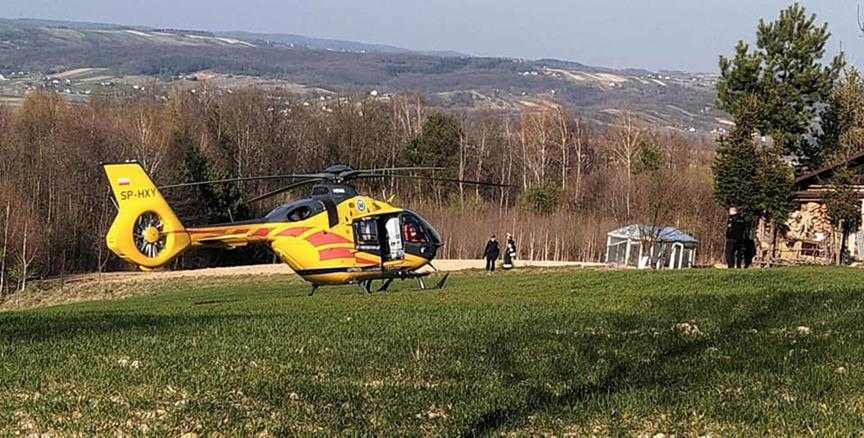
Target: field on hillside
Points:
x,y
696,352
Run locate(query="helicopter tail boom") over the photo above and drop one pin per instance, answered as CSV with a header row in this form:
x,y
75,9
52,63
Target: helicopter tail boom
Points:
x,y
146,232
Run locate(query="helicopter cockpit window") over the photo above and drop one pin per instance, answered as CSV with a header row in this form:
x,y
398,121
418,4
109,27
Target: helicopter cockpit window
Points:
x,y
300,213
412,230
295,211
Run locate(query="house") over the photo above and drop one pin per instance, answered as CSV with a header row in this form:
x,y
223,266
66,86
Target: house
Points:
x,y
809,236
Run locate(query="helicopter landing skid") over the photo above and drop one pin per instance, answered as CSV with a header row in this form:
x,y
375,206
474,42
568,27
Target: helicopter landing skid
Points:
x,y
366,285
438,285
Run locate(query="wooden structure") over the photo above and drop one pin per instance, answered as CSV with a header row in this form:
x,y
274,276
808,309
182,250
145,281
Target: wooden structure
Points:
x,y
809,237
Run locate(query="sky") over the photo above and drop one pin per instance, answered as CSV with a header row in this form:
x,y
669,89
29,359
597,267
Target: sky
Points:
x,y
684,35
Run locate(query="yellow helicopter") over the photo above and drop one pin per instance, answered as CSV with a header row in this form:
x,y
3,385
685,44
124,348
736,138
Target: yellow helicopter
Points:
x,y
335,236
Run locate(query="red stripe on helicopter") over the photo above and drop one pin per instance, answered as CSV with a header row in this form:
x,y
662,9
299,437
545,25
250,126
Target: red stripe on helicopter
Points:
x,y
261,232
294,232
362,261
211,231
324,238
336,253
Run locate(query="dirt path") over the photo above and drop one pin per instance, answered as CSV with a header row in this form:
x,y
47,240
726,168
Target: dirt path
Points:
x,y
282,269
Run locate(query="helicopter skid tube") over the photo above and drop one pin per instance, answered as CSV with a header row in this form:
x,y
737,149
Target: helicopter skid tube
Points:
x,y
365,279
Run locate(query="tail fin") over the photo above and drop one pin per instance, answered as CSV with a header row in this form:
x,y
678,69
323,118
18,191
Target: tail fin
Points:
x,y
146,232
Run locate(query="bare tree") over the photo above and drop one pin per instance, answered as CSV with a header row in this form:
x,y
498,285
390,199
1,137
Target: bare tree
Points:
x,y
564,140
5,251
580,150
23,260
536,129
623,141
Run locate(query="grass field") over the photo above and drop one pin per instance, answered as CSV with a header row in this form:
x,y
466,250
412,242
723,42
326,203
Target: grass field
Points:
x,y
557,351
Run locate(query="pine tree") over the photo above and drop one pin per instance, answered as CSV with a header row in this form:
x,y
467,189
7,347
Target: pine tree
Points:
x,y
736,169
752,175
775,179
785,75
438,142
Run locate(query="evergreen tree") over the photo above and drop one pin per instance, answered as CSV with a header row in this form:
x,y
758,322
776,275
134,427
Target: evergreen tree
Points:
x,y
437,144
788,80
775,179
752,174
736,181
217,202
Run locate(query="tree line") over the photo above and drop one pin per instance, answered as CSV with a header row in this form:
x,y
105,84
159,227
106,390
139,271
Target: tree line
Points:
x,y
571,182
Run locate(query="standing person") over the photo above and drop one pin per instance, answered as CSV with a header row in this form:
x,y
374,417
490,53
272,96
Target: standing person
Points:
x,y
509,252
749,245
491,253
736,233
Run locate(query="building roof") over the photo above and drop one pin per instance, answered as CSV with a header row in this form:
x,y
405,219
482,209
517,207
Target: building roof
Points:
x,y
638,232
809,187
809,178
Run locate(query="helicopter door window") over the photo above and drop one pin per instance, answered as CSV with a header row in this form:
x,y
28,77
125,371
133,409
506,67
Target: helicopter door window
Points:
x,y
394,239
366,232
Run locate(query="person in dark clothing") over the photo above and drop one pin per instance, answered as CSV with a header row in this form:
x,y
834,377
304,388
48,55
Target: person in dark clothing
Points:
x,y
509,252
491,253
749,252
749,247
736,236
734,233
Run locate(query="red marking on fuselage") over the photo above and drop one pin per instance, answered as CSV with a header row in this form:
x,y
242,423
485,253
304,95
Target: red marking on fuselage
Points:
x,y
362,261
261,232
294,232
336,253
324,238
206,231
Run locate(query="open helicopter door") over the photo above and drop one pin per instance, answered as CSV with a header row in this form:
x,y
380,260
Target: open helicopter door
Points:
x,y
395,249
380,235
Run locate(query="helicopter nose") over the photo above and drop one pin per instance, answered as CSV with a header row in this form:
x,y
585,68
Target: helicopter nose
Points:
x,y
426,246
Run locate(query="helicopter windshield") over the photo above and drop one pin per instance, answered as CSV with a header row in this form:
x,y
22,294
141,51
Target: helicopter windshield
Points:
x,y
418,231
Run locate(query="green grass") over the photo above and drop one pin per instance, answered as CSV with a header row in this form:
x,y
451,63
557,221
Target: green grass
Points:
x,y
541,351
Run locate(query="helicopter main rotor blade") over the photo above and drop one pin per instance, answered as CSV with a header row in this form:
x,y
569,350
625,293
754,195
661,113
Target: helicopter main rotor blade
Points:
x,y
246,178
281,190
323,175
392,169
434,178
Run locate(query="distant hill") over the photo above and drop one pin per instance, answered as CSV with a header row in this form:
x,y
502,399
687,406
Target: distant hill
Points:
x,y
326,44
88,30
32,47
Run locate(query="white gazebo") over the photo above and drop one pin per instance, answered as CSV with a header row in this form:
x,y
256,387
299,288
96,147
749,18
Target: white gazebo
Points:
x,y
648,246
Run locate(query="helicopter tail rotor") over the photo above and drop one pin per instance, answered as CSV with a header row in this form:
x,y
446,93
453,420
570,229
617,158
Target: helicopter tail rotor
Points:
x,y
146,232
